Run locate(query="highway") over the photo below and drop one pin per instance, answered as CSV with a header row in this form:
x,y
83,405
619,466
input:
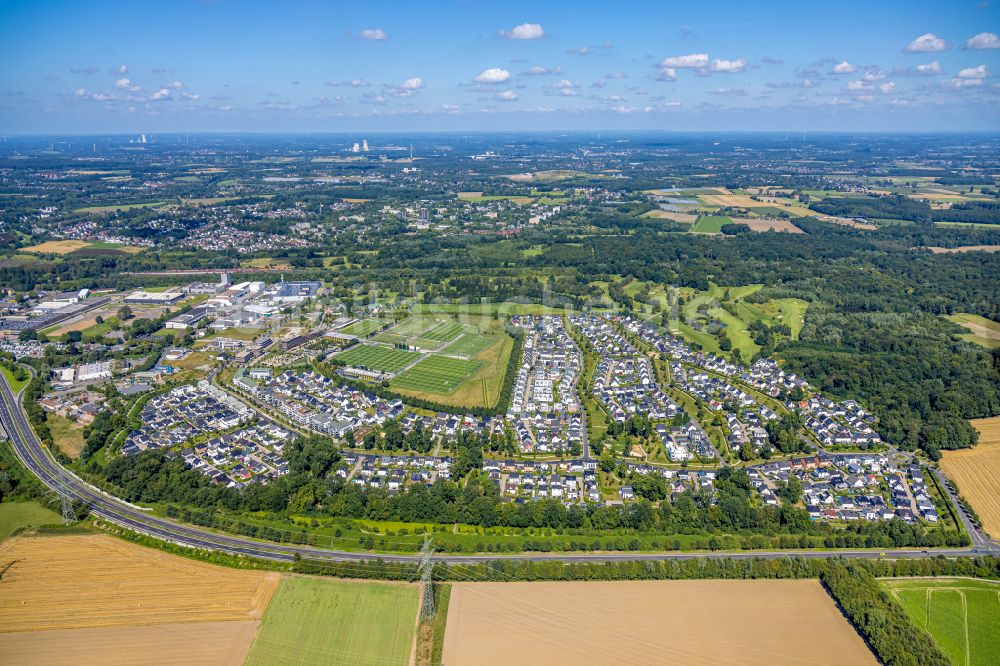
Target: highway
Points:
x,y
40,462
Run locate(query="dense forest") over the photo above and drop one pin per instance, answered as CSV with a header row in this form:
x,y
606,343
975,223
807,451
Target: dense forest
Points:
x,y
881,620
898,207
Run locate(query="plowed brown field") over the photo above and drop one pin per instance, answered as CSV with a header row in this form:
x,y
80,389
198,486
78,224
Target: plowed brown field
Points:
x,y
763,622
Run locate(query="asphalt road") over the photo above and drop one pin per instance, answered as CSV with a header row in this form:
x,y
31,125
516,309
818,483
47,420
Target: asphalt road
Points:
x,y
40,462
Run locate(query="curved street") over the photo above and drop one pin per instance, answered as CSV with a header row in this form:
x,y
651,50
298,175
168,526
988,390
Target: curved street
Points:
x,y
41,463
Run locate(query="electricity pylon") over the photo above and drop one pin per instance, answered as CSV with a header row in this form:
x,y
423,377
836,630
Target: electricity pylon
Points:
x,y
427,580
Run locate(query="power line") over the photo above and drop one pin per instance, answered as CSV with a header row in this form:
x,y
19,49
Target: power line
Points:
x,y
427,580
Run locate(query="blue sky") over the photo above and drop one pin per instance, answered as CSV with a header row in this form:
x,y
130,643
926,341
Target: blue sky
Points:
x,y
242,65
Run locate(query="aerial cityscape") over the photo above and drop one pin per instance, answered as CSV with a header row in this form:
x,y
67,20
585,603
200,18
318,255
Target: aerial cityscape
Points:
x,y
448,334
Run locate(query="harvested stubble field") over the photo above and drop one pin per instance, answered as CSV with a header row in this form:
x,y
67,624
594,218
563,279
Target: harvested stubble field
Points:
x,y
58,246
845,222
93,580
727,198
977,472
963,248
194,644
768,224
683,218
763,622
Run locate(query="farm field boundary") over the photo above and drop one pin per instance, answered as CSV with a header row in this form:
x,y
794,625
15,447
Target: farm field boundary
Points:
x,y
691,622
976,471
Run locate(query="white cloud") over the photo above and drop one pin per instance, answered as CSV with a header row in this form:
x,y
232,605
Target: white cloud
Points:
x,y
984,40
690,61
524,31
159,95
353,83
667,74
855,86
191,96
120,69
80,92
506,96
407,88
582,51
963,83
563,84
736,91
449,108
176,85
930,69
978,72
374,34
887,87
616,75
729,65
874,75
493,75
844,68
126,84
538,70
927,43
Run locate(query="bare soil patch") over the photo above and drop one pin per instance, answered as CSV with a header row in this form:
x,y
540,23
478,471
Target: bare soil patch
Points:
x,y
78,325
762,622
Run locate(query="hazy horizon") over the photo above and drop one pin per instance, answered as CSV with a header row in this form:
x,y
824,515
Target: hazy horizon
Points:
x,y
307,67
